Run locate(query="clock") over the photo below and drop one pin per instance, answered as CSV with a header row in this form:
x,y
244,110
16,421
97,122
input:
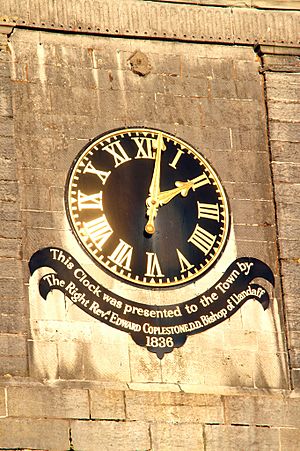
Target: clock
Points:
x,y
147,207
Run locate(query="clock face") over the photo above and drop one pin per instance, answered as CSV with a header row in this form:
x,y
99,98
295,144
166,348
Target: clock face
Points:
x,y
147,207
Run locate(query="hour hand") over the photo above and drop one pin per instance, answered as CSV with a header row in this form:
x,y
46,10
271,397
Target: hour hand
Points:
x,y
182,188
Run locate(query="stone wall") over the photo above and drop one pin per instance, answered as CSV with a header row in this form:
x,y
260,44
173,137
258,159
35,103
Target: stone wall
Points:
x,y
69,381
97,419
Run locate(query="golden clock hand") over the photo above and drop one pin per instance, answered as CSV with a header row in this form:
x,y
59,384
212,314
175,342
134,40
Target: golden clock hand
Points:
x,y
154,189
182,188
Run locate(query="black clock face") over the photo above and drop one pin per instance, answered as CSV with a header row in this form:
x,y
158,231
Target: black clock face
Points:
x,y
147,207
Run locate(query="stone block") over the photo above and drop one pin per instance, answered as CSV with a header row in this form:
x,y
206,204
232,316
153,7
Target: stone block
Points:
x,y
294,355
107,341
293,319
283,111
117,435
7,169
46,402
7,147
223,89
12,323
295,373
11,306
245,70
285,131
10,268
43,152
232,113
173,407
254,232
198,67
70,356
281,63
6,126
10,248
12,345
33,199
5,98
65,100
229,166
289,248
5,67
282,86
43,219
107,404
9,211
287,192
289,438
185,87
289,230
294,338
13,366
127,81
222,67
290,278
8,191
44,177
264,250
138,106
34,240
10,229
3,406
30,97
5,289
43,359
271,370
41,434
253,212
144,365
272,411
175,437
241,437
287,211
181,110
286,172
285,151
250,190
250,139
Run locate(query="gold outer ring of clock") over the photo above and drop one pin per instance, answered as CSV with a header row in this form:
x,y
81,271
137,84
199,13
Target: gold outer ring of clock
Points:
x,y
86,205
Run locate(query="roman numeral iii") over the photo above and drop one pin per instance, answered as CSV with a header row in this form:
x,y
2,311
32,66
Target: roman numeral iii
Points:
x,y
202,239
209,211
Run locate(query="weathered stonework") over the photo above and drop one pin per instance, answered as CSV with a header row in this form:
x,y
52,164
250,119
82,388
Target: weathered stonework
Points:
x,y
68,381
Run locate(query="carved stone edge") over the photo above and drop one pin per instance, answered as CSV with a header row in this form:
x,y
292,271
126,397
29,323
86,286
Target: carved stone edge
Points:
x,y
132,18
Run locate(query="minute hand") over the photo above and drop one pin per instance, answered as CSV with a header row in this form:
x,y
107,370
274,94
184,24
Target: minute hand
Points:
x,y
182,188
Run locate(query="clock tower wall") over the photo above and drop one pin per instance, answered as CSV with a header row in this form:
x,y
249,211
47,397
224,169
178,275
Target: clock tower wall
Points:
x,y
233,98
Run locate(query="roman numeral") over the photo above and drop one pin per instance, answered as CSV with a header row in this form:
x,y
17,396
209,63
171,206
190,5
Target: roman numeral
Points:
x,y
145,149
117,151
98,230
184,263
103,175
176,159
92,201
153,267
209,211
121,256
202,239
201,180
